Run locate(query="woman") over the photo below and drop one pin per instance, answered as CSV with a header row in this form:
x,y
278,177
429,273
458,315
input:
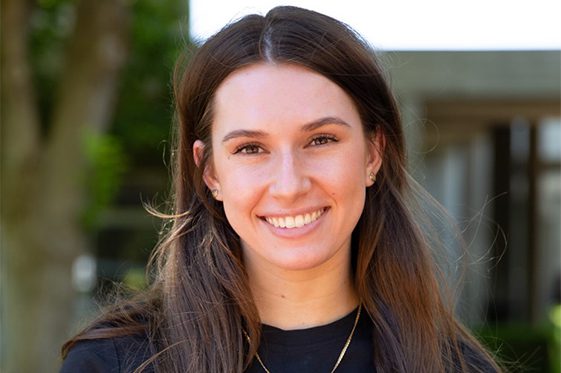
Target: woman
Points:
x,y
293,248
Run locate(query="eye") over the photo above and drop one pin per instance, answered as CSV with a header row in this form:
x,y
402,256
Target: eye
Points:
x,y
322,140
248,149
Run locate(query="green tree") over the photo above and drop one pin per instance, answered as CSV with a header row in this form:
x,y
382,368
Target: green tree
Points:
x,y
72,71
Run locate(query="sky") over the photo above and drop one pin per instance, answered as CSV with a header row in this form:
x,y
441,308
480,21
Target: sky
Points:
x,y
414,25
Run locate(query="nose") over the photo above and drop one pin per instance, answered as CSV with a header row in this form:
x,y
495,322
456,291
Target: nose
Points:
x,y
290,178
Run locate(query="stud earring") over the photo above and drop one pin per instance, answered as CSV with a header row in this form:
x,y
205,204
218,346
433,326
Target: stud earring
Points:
x,y
372,176
214,192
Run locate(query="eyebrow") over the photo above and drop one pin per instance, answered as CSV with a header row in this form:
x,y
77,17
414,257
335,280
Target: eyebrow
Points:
x,y
323,122
305,128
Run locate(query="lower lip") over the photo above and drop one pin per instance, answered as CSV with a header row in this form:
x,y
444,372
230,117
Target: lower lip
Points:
x,y
295,232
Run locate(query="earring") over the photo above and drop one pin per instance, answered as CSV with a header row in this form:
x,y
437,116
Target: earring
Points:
x,y
372,176
214,192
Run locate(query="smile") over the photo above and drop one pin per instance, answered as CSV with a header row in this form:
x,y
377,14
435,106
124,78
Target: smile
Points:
x,y
296,221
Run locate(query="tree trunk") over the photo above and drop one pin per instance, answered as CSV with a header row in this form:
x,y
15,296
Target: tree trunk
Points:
x,y
43,179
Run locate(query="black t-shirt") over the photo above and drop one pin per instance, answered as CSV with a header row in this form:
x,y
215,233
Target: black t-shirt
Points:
x,y
306,350
315,350
108,355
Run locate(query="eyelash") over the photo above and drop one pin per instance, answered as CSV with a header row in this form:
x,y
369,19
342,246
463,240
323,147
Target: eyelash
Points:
x,y
327,138
244,147
253,148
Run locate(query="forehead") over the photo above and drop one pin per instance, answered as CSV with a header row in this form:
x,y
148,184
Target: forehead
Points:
x,y
278,94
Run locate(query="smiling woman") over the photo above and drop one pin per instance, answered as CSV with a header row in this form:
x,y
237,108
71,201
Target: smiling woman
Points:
x,y
292,248
296,139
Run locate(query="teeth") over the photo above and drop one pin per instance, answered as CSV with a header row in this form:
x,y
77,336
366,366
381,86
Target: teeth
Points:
x,y
295,221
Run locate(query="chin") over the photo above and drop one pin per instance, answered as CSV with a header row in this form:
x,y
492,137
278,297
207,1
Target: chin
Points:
x,y
302,261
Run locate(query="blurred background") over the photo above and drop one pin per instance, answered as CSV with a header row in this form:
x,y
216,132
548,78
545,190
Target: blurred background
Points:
x,y
86,111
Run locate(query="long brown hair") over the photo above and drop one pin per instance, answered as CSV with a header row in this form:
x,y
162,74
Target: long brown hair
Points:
x,y
199,302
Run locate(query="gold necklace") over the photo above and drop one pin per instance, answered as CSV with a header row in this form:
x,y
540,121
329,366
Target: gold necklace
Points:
x,y
341,354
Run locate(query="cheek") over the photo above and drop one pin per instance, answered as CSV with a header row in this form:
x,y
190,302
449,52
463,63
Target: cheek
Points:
x,y
240,190
346,181
346,171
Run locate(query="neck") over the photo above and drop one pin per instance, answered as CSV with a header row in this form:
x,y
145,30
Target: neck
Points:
x,y
305,298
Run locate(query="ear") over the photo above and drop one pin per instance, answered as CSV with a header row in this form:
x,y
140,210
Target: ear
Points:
x,y
375,147
208,173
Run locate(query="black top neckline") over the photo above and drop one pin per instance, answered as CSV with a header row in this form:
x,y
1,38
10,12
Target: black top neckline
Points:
x,y
334,331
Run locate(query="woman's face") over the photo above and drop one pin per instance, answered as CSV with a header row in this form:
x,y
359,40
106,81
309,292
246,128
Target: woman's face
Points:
x,y
291,164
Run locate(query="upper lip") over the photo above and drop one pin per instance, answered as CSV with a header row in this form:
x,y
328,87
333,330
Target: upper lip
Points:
x,y
303,211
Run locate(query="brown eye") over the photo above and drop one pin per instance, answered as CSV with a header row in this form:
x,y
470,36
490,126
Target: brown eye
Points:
x,y
322,140
248,149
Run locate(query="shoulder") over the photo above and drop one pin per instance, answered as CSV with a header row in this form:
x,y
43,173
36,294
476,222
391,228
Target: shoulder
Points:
x,y
113,355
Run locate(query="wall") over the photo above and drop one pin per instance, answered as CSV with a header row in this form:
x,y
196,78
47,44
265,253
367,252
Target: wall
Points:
x,y
458,170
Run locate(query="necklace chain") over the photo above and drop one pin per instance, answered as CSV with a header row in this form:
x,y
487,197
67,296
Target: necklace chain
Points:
x,y
341,354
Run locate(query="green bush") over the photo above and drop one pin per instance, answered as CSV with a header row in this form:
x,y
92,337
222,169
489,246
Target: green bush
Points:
x,y
524,348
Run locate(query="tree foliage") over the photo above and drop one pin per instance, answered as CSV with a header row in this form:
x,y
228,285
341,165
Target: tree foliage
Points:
x,y
144,113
